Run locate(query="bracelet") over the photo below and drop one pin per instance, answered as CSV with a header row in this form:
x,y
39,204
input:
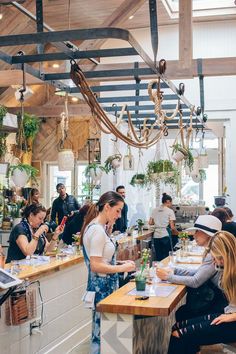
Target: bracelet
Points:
x,y
36,238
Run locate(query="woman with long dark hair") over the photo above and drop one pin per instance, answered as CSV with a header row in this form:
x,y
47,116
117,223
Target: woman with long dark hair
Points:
x,y
29,236
99,255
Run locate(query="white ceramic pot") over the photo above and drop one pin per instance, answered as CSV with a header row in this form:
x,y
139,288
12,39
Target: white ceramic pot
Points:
x,y
196,178
203,161
116,163
65,160
195,170
95,174
128,163
178,156
20,178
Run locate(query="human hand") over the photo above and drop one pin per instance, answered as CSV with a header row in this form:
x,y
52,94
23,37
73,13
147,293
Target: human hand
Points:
x,y
59,229
43,228
163,273
128,266
227,317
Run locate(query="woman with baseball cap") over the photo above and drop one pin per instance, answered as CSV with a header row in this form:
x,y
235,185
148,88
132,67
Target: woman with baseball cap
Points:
x,y
205,227
219,327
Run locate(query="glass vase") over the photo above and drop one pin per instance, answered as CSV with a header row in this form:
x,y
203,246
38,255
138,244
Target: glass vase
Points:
x,y
140,283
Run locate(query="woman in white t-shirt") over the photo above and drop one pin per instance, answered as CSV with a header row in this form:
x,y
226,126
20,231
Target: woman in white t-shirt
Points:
x,y
163,217
99,255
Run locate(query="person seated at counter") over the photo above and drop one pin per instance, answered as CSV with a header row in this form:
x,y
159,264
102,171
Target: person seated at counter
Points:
x,y
225,215
33,197
74,225
99,255
220,326
163,217
205,227
29,236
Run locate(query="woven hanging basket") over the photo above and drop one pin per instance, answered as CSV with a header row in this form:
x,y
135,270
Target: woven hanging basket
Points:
x,y
65,160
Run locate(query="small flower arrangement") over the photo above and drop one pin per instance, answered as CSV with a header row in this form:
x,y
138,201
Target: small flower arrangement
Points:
x,y
76,238
183,235
145,255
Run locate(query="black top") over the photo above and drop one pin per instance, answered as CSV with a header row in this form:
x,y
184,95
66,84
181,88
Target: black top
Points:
x,y
73,226
63,207
230,227
122,223
14,252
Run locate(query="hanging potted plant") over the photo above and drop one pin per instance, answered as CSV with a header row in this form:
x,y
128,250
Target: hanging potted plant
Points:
x,y
3,146
172,180
179,153
128,161
94,171
139,179
200,176
112,162
31,125
20,174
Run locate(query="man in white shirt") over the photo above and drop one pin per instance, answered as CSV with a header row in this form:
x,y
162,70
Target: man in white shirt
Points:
x,y
163,217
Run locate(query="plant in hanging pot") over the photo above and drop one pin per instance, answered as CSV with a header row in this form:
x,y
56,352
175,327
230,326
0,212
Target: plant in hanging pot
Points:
x,y
128,161
200,177
139,179
203,158
94,171
66,160
3,145
112,162
20,174
179,153
140,276
173,179
31,125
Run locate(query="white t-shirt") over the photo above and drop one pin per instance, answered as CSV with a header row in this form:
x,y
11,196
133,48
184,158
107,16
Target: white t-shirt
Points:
x,y
162,217
97,243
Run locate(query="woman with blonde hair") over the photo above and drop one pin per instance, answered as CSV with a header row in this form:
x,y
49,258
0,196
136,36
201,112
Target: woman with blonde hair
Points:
x,y
187,336
99,255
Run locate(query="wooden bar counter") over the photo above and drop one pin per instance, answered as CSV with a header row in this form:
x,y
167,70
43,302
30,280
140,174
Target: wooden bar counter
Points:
x,y
66,322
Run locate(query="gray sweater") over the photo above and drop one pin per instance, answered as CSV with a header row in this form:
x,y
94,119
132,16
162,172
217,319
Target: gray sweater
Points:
x,y
195,278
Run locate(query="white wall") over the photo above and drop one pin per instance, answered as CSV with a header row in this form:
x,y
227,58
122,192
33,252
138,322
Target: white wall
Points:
x,y
210,40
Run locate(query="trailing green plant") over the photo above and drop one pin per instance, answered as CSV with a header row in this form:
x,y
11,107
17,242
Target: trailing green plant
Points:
x,y
93,166
108,163
172,180
157,167
30,171
183,235
3,112
139,179
188,157
31,125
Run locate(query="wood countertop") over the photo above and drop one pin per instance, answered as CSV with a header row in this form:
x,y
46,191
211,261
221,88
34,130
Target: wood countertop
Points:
x,y
120,302
35,272
135,236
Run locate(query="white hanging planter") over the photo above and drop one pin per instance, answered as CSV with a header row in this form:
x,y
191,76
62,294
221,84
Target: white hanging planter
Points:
x,y
116,163
196,178
95,173
203,161
154,177
178,156
195,169
20,178
128,163
65,160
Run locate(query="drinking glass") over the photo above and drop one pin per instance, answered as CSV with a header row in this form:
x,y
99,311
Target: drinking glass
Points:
x,y
15,267
172,258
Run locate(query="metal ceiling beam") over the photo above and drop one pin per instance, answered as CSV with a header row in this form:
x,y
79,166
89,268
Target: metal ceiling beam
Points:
x,y
132,98
115,52
152,115
122,87
149,107
5,57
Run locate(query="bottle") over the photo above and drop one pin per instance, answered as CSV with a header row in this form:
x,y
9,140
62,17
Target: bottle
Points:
x,y
2,257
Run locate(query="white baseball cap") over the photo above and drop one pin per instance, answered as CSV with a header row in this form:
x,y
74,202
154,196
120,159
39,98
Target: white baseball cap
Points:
x,y
208,224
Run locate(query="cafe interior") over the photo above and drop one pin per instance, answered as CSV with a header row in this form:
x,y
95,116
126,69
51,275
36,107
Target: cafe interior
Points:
x,y
124,110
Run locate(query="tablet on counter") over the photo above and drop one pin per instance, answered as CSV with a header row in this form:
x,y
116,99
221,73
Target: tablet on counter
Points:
x,y
7,280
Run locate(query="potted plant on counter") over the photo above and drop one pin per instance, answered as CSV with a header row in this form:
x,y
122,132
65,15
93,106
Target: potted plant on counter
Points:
x,y
140,224
140,276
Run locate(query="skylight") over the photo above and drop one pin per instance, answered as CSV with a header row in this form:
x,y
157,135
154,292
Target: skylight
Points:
x,y
203,7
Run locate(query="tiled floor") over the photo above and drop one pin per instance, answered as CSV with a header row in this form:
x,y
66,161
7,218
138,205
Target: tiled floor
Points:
x,y
81,349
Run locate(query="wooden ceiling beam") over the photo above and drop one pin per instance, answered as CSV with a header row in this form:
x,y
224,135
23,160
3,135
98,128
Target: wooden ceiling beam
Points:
x,y
75,110
14,77
119,16
185,34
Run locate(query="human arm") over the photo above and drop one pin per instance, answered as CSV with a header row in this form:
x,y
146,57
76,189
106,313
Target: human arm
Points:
x,y
98,265
49,246
151,221
204,272
26,247
174,231
163,273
